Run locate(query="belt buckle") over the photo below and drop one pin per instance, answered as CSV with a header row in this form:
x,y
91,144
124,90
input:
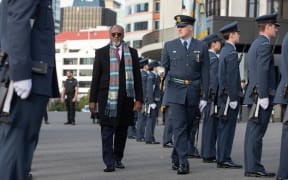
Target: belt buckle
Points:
x,y
186,82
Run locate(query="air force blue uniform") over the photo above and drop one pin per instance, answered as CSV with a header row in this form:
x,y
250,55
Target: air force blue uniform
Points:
x,y
262,76
153,96
281,97
186,69
209,129
24,43
142,118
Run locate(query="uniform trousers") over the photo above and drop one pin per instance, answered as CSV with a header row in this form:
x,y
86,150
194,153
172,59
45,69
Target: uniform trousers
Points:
x,y
19,138
254,141
283,165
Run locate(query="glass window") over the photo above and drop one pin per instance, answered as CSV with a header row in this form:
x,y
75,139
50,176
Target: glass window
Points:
x,y
85,72
143,7
156,25
285,10
73,50
57,50
278,6
69,61
137,44
128,27
128,10
157,7
86,61
141,26
73,70
213,7
252,8
84,84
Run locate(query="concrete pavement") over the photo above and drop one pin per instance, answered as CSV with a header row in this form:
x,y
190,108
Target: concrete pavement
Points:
x,y
68,152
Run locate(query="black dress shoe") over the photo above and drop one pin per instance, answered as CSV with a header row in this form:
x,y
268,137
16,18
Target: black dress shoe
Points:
x,y
209,160
29,176
168,145
230,165
109,169
131,137
66,123
153,142
183,169
175,165
47,122
259,174
119,164
195,155
279,178
73,123
140,140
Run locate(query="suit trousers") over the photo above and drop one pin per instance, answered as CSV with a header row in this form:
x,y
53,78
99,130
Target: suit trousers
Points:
x,y
113,143
18,140
151,124
254,141
70,107
283,165
182,117
209,134
225,135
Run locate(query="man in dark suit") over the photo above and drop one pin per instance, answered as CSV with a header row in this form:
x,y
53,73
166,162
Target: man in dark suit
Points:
x,y
281,97
228,95
186,64
116,87
261,81
210,120
27,36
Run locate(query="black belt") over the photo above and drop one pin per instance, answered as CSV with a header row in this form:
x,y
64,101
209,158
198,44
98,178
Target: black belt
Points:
x,y
186,82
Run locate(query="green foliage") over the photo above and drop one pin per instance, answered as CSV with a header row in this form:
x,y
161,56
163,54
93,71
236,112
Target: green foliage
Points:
x,y
82,102
57,105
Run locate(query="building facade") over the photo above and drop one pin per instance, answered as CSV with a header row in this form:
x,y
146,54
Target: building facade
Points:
x,y
56,14
76,51
141,17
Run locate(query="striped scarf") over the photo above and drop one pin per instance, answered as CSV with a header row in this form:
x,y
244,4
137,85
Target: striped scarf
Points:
x,y
112,101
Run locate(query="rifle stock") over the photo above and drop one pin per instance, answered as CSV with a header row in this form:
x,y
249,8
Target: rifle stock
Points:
x,y
254,112
4,85
213,110
223,111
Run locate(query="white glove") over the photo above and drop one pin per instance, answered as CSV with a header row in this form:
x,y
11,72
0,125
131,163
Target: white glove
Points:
x,y
23,88
233,104
153,106
202,105
264,102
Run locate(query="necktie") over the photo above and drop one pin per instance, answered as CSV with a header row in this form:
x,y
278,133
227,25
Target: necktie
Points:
x,y
117,54
185,44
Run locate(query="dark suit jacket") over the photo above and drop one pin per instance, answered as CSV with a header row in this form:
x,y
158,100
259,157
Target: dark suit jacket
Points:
x,y
100,87
25,43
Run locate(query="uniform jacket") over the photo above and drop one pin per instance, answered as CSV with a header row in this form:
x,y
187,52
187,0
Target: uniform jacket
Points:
x,y
144,77
25,43
229,74
153,88
100,86
261,73
214,61
186,65
279,98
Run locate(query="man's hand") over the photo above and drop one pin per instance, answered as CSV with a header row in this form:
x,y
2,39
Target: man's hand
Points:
x,y
202,105
137,106
62,99
153,105
92,107
264,102
23,88
233,104
74,99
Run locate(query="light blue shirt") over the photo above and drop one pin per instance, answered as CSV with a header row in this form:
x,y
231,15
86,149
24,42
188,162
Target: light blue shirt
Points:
x,y
188,42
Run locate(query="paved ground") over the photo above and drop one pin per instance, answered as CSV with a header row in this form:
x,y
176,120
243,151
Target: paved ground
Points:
x,y
74,153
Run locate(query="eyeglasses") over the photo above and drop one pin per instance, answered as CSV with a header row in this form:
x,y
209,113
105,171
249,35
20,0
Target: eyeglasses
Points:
x,y
118,34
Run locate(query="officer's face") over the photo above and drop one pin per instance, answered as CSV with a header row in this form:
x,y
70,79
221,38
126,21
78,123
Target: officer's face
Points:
x,y
272,30
116,35
216,46
235,37
185,32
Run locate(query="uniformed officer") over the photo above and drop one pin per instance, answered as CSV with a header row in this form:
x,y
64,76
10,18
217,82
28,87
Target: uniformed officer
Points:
x,y
210,120
69,94
186,64
281,97
141,121
228,95
153,96
261,83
